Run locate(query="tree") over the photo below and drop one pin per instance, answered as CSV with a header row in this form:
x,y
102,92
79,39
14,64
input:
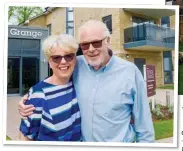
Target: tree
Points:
x,y
19,14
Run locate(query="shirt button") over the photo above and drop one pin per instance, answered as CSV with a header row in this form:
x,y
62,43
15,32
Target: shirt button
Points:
x,y
105,114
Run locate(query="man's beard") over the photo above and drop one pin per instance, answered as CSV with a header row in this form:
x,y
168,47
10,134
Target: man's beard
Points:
x,y
95,63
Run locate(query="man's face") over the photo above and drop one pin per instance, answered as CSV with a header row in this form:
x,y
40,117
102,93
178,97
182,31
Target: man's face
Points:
x,y
94,46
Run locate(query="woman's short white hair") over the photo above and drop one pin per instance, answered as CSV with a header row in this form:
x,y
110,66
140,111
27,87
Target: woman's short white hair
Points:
x,y
64,41
95,23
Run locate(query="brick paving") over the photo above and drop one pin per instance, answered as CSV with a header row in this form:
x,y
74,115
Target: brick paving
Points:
x,y
166,140
13,120
13,117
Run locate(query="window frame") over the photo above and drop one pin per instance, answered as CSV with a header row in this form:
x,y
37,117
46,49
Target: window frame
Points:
x,y
69,10
107,19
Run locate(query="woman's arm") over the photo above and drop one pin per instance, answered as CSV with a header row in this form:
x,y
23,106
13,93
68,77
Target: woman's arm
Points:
x,y
24,138
30,127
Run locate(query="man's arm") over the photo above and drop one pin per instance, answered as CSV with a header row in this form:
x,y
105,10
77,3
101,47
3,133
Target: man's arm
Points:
x,y
141,111
25,110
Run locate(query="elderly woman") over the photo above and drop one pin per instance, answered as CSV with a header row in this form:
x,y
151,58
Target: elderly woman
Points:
x,y
57,114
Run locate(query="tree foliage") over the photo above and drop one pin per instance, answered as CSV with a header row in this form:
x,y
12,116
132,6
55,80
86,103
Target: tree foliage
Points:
x,y
19,14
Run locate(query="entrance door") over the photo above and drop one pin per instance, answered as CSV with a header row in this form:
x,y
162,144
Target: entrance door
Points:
x,y
140,62
13,79
30,73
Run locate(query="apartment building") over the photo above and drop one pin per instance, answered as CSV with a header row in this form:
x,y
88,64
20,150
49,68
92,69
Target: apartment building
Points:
x,y
142,36
138,35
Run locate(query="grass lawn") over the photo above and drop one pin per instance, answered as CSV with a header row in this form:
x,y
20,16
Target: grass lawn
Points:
x,y
7,138
180,83
163,129
170,86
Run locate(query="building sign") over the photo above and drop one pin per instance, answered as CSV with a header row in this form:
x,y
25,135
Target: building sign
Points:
x,y
26,33
150,78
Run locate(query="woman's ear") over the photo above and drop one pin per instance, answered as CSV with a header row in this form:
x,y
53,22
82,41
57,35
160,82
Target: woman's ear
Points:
x,y
49,63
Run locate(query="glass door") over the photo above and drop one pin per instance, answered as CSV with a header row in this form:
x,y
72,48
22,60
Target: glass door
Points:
x,y
167,62
13,79
140,62
30,73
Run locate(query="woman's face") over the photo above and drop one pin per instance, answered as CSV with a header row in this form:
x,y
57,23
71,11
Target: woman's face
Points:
x,y
62,62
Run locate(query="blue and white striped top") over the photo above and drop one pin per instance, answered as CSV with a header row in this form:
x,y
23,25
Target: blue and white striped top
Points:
x,y
57,114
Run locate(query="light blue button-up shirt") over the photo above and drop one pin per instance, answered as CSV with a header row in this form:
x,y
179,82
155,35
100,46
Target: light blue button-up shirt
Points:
x,y
108,98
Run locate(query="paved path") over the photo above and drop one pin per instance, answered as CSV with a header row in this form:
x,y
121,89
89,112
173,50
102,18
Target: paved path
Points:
x,y
166,140
13,120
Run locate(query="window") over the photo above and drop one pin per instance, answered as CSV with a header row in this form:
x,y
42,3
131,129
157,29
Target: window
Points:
x,y
70,31
70,9
168,66
165,21
69,21
70,16
108,21
139,20
49,29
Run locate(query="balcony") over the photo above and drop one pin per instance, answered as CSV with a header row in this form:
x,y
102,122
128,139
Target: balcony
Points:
x,y
151,12
149,37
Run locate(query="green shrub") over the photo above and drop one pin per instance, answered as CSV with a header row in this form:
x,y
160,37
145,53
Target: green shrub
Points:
x,y
160,115
158,106
154,111
170,109
157,112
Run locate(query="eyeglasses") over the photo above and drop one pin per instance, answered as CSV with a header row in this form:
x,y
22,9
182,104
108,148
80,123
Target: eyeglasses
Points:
x,y
58,58
95,44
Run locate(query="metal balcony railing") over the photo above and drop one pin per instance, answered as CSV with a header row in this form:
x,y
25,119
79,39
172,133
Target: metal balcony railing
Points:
x,y
147,31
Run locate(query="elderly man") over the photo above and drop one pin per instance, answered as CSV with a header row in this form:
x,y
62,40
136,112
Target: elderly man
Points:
x,y
110,92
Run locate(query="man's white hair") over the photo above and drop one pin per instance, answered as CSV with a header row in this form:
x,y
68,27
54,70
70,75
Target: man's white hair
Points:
x,y
64,41
94,23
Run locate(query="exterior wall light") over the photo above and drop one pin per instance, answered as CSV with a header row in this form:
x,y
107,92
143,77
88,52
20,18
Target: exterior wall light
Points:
x,y
127,56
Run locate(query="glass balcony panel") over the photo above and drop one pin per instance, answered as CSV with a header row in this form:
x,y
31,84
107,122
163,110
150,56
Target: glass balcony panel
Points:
x,y
149,31
153,36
